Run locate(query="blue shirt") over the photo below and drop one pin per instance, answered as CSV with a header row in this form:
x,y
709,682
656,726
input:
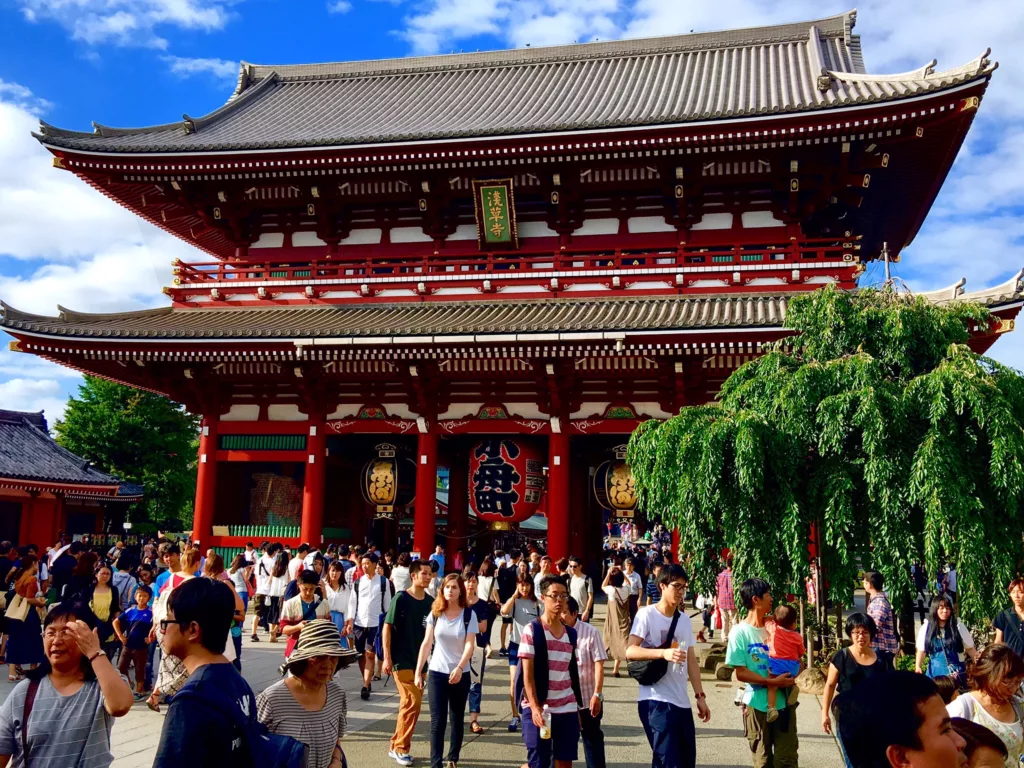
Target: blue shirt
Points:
x,y
440,561
138,623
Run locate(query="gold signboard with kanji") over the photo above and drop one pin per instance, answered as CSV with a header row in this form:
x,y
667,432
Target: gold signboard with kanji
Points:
x,y
494,204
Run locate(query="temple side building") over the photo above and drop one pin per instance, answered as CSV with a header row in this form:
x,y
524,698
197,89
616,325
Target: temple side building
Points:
x,y
498,263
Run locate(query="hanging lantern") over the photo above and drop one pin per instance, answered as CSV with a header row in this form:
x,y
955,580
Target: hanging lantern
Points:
x,y
388,482
506,480
614,488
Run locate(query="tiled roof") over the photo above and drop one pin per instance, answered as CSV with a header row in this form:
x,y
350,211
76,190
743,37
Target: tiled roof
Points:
x,y
27,452
423,319
738,73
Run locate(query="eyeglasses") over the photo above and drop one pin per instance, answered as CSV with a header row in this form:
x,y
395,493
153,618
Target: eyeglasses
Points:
x,y
558,596
165,623
53,634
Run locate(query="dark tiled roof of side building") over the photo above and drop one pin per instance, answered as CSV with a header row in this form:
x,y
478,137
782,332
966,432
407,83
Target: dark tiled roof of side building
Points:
x,y
27,452
651,81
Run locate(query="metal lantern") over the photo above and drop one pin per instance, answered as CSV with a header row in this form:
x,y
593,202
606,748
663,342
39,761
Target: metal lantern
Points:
x,y
389,481
614,488
506,480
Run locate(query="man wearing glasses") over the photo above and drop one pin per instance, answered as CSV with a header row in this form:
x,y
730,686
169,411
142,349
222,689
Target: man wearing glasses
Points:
x,y
550,677
581,587
664,708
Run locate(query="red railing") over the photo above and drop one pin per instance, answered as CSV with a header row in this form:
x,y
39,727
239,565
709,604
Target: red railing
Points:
x,y
434,266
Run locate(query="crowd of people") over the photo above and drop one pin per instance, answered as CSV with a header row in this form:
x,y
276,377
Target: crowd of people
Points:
x,y
93,632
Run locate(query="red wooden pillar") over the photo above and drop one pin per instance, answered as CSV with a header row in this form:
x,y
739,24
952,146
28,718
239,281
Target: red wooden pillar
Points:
x,y
458,502
675,546
312,525
423,531
558,495
206,481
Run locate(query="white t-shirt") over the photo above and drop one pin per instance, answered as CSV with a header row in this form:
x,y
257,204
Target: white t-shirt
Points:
x,y
581,587
523,612
250,557
485,587
617,593
634,583
264,568
293,568
538,579
652,628
450,641
922,636
401,578
238,579
278,584
337,599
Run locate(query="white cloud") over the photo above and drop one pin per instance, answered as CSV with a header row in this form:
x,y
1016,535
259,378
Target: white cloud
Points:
x,y
33,395
127,22
22,97
339,6
219,68
63,243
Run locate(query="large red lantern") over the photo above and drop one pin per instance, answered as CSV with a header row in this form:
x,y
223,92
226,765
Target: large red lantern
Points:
x,y
506,480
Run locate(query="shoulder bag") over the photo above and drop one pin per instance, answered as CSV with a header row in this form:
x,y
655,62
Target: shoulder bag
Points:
x,y
650,671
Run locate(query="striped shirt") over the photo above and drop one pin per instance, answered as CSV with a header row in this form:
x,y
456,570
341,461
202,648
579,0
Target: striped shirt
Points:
x,y
589,648
67,731
560,698
320,731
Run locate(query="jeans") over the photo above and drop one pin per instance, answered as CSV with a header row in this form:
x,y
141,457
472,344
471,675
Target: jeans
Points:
x,y
671,734
477,664
593,738
446,700
237,640
152,663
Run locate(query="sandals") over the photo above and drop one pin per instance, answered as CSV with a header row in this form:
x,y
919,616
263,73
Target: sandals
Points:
x,y
155,706
475,727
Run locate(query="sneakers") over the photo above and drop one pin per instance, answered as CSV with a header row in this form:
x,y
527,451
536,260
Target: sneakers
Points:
x,y
402,758
513,725
773,715
503,652
488,652
364,693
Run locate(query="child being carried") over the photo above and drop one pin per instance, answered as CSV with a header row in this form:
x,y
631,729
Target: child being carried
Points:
x,y
785,654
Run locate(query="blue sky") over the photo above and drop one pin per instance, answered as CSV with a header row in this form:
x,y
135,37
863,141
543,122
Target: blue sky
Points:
x,y
140,62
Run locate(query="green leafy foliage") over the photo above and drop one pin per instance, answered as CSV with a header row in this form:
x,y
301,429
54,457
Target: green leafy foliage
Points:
x,y
877,425
140,437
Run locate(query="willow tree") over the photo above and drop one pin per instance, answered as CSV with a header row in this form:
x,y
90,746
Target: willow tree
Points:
x,y
875,425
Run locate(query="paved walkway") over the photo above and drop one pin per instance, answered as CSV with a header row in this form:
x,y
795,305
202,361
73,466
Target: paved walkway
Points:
x,y
719,742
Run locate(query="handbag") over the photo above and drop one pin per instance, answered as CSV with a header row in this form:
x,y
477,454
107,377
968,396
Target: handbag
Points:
x,y
18,608
650,671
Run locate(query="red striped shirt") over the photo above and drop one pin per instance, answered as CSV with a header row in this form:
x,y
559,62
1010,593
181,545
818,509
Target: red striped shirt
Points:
x,y
560,696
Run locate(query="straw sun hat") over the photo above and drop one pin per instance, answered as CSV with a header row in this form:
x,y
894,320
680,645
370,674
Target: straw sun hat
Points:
x,y
320,638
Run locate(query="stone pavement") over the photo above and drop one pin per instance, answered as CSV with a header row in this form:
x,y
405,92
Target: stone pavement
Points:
x,y
719,742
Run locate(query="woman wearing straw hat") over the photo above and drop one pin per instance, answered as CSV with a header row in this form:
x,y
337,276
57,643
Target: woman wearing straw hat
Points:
x,y
308,705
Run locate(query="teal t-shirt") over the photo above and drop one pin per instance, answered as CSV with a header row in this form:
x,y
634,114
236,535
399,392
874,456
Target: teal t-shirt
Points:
x,y
748,647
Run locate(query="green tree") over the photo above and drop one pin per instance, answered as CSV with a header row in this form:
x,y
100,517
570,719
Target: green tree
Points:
x,y
876,424
140,437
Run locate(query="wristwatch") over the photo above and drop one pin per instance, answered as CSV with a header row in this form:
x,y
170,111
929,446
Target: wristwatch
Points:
x,y
600,697
700,695
96,655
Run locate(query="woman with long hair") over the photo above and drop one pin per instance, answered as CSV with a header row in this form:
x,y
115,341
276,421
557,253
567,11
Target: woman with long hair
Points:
x,y
278,584
105,604
213,569
451,632
172,675
24,644
995,676
617,622
77,694
81,577
523,607
487,590
942,643
336,592
400,573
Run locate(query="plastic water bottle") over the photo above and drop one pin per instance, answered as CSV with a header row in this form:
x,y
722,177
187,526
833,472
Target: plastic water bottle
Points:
x,y
545,730
678,666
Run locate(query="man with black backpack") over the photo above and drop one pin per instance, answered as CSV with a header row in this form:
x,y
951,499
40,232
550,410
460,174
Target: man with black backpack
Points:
x,y
367,606
660,660
549,679
212,719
